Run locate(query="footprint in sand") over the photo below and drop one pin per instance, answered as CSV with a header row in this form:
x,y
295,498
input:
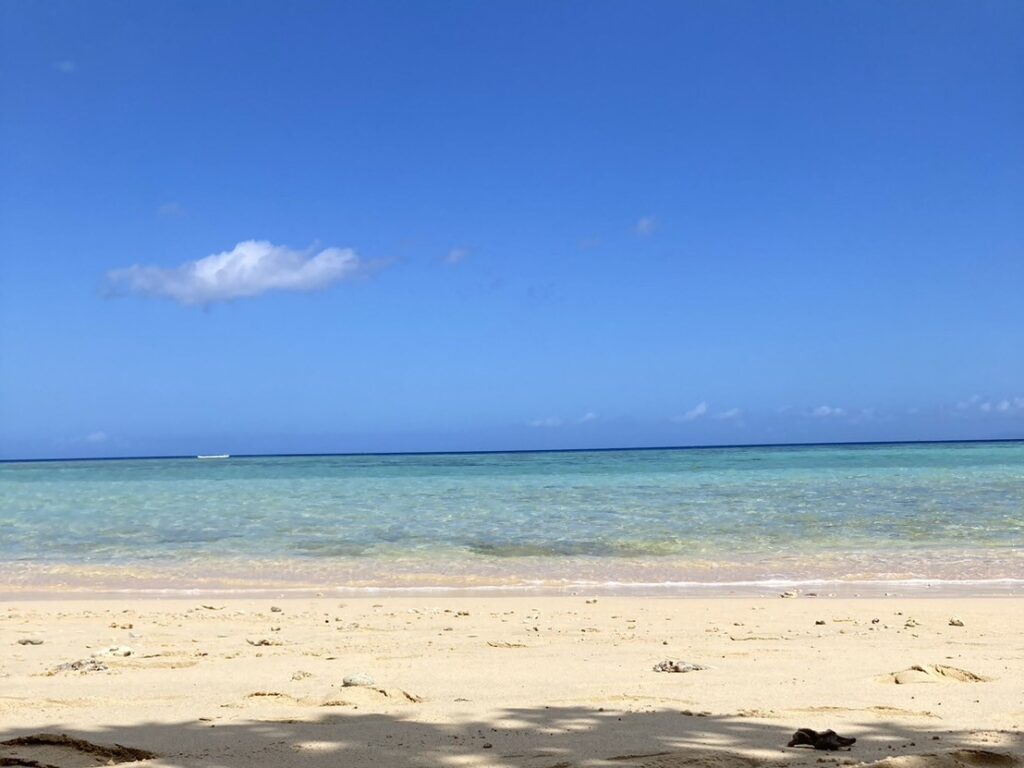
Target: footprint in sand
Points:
x,y
933,673
961,758
877,709
688,760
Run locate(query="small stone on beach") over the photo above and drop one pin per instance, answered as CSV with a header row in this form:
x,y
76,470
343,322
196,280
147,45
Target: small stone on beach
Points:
x,y
81,665
30,641
357,680
677,666
114,650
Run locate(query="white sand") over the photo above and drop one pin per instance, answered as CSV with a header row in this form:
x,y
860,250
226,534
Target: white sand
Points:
x,y
525,681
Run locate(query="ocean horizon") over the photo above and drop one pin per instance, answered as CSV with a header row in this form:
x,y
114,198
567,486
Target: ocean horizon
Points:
x,y
680,447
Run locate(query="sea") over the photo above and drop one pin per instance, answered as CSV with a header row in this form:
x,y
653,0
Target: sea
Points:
x,y
665,521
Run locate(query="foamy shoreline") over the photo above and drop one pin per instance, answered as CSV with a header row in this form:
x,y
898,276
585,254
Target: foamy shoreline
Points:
x,y
842,574
807,588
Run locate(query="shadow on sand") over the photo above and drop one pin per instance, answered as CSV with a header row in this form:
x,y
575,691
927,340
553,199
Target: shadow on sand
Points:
x,y
543,737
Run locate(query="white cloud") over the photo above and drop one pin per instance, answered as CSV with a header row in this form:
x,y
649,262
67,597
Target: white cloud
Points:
x,y
456,255
1007,405
732,413
588,416
826,411
171,209
96,437
549,421
251,268
645,225
696,412
65,66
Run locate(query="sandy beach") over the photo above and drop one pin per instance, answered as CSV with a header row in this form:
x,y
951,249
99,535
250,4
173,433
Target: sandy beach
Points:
x,y
511,681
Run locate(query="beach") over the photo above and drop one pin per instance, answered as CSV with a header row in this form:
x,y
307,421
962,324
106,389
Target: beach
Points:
x,y
510,609
531,680
511,384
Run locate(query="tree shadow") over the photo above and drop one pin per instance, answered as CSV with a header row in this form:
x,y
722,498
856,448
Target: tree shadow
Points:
x,y
539,737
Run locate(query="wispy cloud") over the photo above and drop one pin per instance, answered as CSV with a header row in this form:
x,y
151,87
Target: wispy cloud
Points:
x,y
827,411
732,413
65,66
1002,406
645,225
250,269
700,409
171,209
456,256
96,437
996,406
588,416
548,421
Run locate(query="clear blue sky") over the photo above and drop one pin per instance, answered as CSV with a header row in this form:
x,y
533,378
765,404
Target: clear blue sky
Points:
x,y
280,227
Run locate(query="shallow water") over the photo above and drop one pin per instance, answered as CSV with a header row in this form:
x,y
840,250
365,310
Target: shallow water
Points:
x,y
949,511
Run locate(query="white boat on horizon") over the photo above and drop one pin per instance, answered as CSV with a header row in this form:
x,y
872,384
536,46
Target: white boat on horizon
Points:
x,y
214,456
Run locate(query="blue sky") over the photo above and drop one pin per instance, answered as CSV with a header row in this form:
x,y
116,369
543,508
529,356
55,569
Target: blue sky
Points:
x,y
364,226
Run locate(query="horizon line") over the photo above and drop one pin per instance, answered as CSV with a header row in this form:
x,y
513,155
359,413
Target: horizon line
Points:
x,y
712,446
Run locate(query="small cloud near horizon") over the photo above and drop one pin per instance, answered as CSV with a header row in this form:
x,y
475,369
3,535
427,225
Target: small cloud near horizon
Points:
x,y
732,413
250,269
1005,405
645,225
588,416
65,66
99,436
826,411
700,409
456,256
549,421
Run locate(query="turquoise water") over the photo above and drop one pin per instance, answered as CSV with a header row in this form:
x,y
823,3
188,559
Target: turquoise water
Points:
x,y
879,511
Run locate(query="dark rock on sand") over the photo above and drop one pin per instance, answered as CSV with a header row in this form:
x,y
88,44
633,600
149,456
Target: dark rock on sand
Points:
x,y
825,740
